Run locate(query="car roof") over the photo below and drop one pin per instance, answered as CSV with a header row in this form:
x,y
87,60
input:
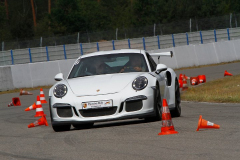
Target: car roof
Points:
x,y
113,52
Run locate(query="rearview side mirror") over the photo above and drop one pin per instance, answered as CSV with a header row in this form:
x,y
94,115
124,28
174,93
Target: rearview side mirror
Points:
x,y
58,77
160,68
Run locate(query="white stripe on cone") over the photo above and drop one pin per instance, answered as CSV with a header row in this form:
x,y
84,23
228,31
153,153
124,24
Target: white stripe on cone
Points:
x,y
42,98
39,109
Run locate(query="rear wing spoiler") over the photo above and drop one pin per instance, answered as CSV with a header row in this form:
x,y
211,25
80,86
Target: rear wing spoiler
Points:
x,y
169,54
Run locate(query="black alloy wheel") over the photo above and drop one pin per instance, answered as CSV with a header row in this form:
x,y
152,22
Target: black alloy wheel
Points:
x,y
177,110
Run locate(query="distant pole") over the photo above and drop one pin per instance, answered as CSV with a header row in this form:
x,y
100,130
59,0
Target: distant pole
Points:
x,y
113,45
81,48
190,23
187,38
12,57
144,46
129,44
30,55
65,54
201,37
33,13
215,35
3,46
47,53
97,47
41,42
230,20
173,40
158,42
78,38
228,34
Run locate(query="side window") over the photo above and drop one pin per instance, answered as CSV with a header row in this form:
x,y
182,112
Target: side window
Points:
x,y
152,63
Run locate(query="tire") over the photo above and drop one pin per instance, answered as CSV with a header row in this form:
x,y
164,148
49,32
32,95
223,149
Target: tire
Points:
x,y
60,128
83,126
177,110
157,106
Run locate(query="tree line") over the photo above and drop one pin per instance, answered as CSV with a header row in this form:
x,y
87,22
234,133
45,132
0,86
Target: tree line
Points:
x,y
25,19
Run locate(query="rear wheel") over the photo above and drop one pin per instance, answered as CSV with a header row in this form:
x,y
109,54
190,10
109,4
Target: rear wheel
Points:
x,y
177,110
157,106
83,126
60,128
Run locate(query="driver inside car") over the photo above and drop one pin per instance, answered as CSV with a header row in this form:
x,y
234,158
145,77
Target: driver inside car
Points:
x,y
134,65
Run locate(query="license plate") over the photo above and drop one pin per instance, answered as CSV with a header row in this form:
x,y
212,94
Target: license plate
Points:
x,y
97,104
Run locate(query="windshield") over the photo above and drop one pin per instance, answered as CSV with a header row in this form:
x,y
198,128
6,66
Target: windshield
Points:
x,y
108,64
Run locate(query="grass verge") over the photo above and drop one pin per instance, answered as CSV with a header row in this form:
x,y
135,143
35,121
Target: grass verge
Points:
x,y
208,65
225,90
26,89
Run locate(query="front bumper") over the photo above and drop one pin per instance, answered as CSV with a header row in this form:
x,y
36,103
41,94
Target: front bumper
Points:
x,y
124,107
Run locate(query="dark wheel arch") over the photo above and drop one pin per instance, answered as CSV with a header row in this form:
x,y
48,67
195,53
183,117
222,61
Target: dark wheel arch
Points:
x,y
157,105
177,110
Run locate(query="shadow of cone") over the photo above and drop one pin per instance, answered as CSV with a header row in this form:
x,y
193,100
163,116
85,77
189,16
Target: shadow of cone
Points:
x,y
32,107
203,124
22,92
39,109
227,74
15,102
42,96
39,122
167,125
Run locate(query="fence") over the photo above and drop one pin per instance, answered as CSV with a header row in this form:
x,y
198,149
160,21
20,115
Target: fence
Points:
x,y
72,51
180,26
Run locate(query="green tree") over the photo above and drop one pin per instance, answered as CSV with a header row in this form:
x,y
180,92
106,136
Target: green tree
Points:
x,y
66,17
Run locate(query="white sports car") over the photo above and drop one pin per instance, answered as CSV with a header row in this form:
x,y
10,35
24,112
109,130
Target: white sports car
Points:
x,y
113,85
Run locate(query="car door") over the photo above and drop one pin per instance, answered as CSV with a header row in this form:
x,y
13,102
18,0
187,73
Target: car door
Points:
x,y
160,77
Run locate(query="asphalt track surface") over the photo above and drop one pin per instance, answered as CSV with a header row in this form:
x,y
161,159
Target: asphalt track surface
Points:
x,y
126,139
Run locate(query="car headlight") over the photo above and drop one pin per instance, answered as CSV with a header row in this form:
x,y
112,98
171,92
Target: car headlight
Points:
x,y
140,83
60,90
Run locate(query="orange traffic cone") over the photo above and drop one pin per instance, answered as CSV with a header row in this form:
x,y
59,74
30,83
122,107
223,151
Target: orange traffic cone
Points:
x,y
42,96
227,74
22,92
186,77
201,79
39,109
41,121
15,102
194,80
32,107
180,83
167,125
202,123
180,76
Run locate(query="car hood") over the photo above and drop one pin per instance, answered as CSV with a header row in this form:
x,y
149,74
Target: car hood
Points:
x,y
101,84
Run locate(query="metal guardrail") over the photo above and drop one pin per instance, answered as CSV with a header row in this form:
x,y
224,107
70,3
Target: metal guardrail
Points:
x,y
72,51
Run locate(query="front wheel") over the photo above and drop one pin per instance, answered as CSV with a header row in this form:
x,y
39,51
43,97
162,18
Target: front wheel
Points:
x,y
177,110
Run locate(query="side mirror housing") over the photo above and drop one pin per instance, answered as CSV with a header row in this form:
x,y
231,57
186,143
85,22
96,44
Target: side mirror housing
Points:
x,y
58,77
160,68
